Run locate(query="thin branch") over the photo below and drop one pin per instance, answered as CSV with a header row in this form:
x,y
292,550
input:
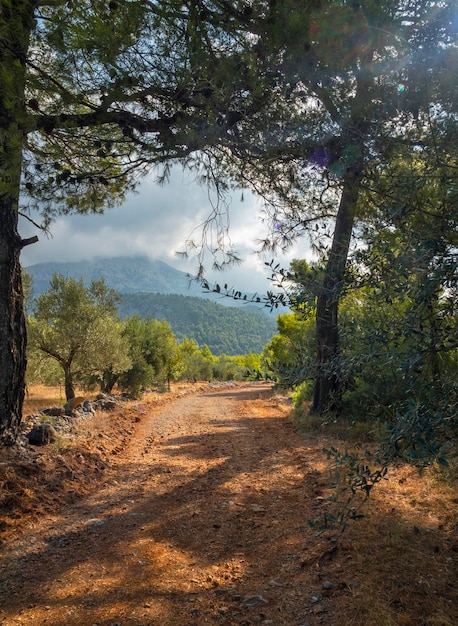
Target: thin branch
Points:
x,y
27,217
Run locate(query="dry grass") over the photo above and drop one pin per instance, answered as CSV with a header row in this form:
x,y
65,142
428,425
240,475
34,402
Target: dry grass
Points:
x,y
40,396
402,556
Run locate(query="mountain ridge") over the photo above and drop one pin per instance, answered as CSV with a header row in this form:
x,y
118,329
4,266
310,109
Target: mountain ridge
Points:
x,y
125,274
151,288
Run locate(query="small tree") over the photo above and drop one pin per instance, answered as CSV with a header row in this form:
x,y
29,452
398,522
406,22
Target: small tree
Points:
x,y
289,354
154,353
198,363
76,326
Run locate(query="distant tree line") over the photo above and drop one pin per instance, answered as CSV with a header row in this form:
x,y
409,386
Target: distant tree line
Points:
x,y
226,330
76,338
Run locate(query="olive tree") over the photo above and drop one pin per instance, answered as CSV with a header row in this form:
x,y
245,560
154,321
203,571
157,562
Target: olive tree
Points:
x,y
93,95
77,327
154,353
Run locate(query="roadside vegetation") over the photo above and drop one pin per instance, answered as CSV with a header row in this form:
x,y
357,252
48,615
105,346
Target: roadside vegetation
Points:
x,y
76,338
397,368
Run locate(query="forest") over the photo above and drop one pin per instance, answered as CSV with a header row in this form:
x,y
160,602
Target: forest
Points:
x,y
341,116
225,330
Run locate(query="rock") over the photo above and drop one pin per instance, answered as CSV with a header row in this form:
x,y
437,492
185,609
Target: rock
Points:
x,y
256,508
85,410
42,434
254,601
53,411
106,404
328,585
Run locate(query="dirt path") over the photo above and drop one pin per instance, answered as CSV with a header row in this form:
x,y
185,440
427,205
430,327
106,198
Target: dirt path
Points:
x,y
201,518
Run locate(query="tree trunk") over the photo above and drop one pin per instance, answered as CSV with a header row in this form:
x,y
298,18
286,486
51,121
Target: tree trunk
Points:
x,y
69,386
16,23
12,326
109,380
327,394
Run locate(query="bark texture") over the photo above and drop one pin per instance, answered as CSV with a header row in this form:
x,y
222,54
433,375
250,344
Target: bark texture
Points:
x,y
16,23
12,326
327,389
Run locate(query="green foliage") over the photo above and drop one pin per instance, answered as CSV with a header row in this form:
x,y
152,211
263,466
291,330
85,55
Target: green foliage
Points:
x,y
197,363
289,354
197,367
226,368
154,353
43,370
420,435
201,364
225,330
75,327
302,394
399,328
251,363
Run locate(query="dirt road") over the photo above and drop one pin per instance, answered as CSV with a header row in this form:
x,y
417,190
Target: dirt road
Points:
x,y
199,518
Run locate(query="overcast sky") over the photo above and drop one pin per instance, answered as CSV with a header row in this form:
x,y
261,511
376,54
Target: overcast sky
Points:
x,y
156,222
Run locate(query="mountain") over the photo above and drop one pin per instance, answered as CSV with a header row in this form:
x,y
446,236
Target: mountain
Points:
x,y
125,274
154,289
226,330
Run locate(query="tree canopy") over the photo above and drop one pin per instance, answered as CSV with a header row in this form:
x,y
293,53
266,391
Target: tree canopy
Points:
x,y
305,102
360,86
77,328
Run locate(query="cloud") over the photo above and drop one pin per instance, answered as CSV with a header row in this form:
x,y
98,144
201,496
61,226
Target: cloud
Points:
x,y
156,222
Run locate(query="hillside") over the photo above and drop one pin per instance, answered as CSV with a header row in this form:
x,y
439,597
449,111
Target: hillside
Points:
x,y
154,289
125,274
226,330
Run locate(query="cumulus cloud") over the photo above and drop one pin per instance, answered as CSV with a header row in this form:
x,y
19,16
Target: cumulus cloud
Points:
x,y
156,222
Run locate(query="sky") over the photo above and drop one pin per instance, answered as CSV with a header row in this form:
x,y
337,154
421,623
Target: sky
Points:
x,y
156,222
